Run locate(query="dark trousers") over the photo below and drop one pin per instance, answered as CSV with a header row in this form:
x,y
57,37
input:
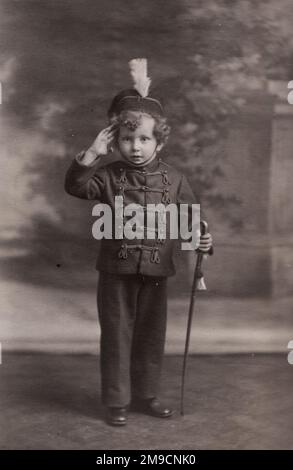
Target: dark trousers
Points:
x,y
132,313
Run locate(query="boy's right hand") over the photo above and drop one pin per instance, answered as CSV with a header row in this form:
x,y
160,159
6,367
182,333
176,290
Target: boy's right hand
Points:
x,y
100,145
103,140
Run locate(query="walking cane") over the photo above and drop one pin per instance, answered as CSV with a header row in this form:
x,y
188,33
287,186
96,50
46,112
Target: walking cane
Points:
x,y
198,284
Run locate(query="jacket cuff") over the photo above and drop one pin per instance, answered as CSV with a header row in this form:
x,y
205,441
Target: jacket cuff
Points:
x,y
80,173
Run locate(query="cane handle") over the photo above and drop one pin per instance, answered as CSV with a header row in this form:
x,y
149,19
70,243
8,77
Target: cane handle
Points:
x,y
203,227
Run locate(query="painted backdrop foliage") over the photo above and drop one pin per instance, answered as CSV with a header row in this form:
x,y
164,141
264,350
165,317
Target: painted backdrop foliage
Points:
x,y
62,62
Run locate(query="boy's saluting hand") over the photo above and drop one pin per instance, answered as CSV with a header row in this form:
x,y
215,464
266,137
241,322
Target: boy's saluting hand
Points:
x,y
100,146
103,140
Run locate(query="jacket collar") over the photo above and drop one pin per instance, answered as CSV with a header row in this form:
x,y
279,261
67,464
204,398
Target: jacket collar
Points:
x,y
153,165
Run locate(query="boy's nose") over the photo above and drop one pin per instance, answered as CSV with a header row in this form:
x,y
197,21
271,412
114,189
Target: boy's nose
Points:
x,y
135,145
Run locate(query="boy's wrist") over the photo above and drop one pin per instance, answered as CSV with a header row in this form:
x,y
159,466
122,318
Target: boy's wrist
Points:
x,y
89,156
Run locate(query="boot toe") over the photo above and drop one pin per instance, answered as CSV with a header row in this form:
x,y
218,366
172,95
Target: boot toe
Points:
x,y
152,407
158,409
117,416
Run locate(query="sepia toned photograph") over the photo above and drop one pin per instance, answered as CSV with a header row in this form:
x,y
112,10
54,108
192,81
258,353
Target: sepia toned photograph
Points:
x,y
146,208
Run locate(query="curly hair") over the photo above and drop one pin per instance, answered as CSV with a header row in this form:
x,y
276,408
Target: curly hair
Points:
x,y
132,119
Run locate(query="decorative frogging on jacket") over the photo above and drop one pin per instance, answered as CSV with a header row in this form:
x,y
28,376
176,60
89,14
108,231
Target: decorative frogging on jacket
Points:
x,y
124,187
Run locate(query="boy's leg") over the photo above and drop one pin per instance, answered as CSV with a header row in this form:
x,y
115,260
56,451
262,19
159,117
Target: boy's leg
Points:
x,y
117,298
149,337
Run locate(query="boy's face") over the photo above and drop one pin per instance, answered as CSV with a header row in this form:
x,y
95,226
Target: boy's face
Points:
x,y
139,146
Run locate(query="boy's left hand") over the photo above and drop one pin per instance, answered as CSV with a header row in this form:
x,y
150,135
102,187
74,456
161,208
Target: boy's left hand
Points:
x,y
205,243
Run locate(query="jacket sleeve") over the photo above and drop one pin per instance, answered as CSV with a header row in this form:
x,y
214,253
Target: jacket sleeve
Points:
x,y
186,196
85,181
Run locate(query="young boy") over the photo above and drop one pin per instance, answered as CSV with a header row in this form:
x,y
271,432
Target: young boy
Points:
x,y
132,287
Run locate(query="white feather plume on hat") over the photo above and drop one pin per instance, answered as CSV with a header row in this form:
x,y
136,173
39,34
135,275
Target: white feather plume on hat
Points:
x,y
138,70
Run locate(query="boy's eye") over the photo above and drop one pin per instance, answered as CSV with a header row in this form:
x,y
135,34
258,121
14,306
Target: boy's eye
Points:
x,y
126,139
144,139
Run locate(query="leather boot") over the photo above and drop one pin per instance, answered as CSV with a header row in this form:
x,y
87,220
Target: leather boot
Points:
x,y
152,407
117,416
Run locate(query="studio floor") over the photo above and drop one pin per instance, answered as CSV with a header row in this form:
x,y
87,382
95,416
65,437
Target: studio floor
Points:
x,y
232,401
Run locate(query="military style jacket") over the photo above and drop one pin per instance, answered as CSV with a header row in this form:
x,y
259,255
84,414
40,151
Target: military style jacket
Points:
x,y
154,183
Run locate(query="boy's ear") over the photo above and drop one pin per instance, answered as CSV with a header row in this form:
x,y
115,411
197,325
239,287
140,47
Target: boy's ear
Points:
x,y
114,146
159,147
114,142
